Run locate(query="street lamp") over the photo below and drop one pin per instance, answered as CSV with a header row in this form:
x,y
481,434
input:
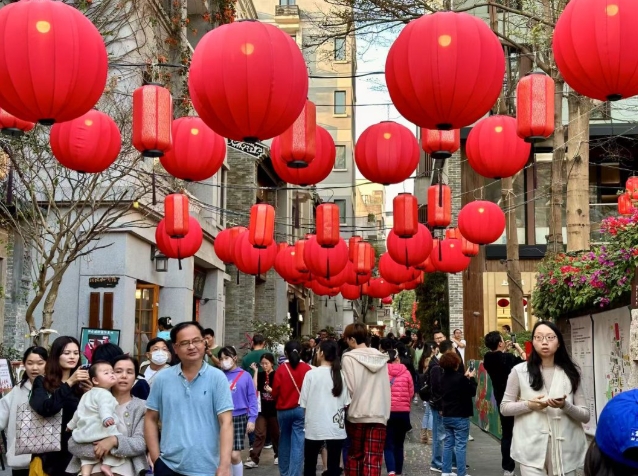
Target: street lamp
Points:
x,y
161,261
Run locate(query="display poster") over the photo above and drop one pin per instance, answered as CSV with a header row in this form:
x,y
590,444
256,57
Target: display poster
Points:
x,y
91,338
6,377
582,334
485,408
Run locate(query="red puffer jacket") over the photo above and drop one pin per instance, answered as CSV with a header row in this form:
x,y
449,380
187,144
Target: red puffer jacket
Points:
x,y
401,387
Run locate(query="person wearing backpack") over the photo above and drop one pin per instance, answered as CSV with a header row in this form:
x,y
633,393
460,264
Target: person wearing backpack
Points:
x,y
423,389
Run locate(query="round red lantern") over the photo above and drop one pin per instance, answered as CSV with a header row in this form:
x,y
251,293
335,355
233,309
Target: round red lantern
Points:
x,y
12,126
427,265
281,246
225,243
379,288
300,263
590,48
298,141
177,217
252,260
481,222
447,256
88,144
405,211
362,258
53,61
350,292
494,149
410,251
386,300
445,70
152,120
354,278
387,153
248,80
535,107
440,144
352,241
327,225
439,205
325,262
503,302
261,227
334,281
394,272
625,205
285,266
179,248
321,290
631,187
197,153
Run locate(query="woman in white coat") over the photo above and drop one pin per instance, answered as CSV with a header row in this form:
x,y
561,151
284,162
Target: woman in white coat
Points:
x,y
546,399
34,360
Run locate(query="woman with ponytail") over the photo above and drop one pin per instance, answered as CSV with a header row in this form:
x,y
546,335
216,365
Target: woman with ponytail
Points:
x,y
325,397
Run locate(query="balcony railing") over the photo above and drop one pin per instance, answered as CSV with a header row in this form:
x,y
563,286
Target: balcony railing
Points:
x,y
287,11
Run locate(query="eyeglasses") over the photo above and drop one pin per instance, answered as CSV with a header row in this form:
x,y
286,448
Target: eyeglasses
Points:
x,y
549,338
187,343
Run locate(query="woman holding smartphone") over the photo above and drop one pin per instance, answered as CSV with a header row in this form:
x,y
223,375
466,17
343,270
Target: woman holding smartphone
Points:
x,y
545,397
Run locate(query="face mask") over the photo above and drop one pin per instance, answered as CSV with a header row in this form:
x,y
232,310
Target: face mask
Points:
x,y
226,364
159,357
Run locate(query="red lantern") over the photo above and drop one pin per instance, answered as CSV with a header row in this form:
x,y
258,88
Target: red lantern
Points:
x,y
445,70
252,260
225,243
386,300
152,120
410,251
262,225
387,153
439,206
327,225
447,256
350,292
12,126
334,281
452,233
427,265
53,62
248,80
88,144
481,222
321,290
281,246
177,217
362,258
298,141
625,205
285,266
631,187
503,302
535,107
197,153
440,144
394,272
317,170
179,248
325,262
468,248
494,149
300,264
405,210
352,241
591,51
379,288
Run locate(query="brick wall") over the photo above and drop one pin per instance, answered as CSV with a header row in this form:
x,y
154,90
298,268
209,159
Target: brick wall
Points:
x,y
455,281
16,292
266,297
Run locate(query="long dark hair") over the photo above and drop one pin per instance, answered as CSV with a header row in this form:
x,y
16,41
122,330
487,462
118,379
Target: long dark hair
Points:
x,y
561,358
330,351
428,351
598,463
293,352
53,371
41,351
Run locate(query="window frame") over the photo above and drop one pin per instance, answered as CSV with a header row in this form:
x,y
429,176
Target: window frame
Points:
x,y
339,147
343,220
335,105
337,52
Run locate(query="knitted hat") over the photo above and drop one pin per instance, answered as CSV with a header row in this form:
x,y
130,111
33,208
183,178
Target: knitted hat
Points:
x,y
617,430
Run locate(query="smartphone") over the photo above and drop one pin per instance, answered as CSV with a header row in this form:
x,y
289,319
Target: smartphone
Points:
x,y
85,367
513,338
471,366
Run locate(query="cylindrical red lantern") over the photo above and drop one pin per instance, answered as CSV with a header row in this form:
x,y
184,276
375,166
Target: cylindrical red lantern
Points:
x,y
468,248
590,48
53,61
328,225
225,243
447,256
252,260
285,266
12,126
631,187
248,80
350,292
152,120
439,205
197,152
445,70
481,222
440,144
325,262
494,149
386,300
410,251
535,107
387,153
300,263
624,204
88,144
352,241
261,227
394,272
362,259
298,141
179,248
405,211
177,217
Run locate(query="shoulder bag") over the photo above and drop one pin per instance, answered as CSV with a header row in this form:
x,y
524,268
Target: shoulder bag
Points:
x,y
36,434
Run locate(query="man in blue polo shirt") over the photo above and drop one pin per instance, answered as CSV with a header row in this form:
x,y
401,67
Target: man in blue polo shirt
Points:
x,y
194,403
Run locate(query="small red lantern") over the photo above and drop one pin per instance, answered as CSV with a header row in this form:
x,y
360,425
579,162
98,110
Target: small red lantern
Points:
x,y
285,266
179,248
503,302
350,292
225,243
468,248
481,222
440,144
535,107
252,260
300,264
494,149
439,205
352,241
387,153
88,144
387,300
325,262
177,217
405,211
248,80
447,256
379,288
298,141
197,152
427,265
452,233
12,126
354,278
631,187
327,225
394,272
625,205
410,251
362,259
281,246
53,61
152,120
261,227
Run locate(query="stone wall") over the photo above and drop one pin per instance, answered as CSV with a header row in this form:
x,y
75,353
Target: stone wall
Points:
x,y
16,293
455,281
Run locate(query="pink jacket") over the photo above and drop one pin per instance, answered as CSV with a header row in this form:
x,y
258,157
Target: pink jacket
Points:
x,y
401,387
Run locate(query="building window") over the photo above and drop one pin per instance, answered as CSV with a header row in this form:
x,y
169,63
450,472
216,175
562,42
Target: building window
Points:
x,y
340,102
287,2
340,49
342,210
340,158
146,300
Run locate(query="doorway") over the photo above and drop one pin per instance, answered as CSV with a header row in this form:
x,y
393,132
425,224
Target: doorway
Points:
x,y
146,309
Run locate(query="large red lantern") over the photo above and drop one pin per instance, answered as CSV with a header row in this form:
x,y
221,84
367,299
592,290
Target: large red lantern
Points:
x,y
251,260
88,144
177,217
298,141
53,61
225,243
535,107
179,248
261,228
447,256
445,70
387,153
481,222
152,120
625,204
334,281
352,242
362,259
12,126
248,80
427,265
394,272
410,251
350,292
352,277
321,290
590,48
494,149
631,187
380,288
439,205
328,225
197,153
325,262
440,144
405,211
285,266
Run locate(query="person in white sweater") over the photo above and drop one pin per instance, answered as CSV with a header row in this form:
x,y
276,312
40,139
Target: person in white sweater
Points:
x,y
546,399
94,419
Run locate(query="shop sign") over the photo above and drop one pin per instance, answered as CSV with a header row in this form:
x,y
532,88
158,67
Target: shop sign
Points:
x,y
104,281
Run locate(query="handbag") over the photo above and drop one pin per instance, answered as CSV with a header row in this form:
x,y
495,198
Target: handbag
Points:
x,y
36,434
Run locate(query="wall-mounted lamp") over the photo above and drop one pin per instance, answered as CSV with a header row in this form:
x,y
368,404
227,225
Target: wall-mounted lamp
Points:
x,y
300,317
161,261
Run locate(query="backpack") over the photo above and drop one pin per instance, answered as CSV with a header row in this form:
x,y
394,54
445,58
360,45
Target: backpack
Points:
x,y
423,385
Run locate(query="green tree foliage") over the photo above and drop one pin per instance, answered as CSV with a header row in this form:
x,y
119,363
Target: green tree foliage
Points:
x,y
433,304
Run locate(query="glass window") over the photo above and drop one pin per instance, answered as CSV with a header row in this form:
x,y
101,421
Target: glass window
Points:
x,y
493,193
340,158
146,297
340,102
286,2
342,210
340,49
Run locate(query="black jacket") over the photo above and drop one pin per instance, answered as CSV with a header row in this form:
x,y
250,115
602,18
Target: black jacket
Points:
x,y
457,391
498,365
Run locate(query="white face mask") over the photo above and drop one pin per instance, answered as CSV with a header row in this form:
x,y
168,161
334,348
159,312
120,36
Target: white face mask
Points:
x,y
226,364
159,357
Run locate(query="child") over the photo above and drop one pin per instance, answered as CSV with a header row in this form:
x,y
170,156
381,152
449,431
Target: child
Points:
x,y
94,419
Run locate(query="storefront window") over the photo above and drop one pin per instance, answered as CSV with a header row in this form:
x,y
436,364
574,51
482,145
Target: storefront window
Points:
x,y
146,298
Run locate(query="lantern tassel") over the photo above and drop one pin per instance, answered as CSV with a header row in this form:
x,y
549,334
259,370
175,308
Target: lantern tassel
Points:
x,y
153,189
326,305
535,179
259,265
238,276
406,258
